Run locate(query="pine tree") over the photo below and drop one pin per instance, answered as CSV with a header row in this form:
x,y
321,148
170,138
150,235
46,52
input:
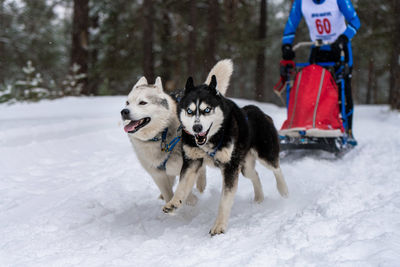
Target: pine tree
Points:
x,y
30,88
73,84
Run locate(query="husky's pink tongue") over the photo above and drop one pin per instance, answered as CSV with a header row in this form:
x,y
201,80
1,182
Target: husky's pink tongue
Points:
x,y
203,134
131,126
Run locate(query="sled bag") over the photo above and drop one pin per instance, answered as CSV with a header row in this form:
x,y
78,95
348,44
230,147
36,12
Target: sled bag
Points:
x,y
313,108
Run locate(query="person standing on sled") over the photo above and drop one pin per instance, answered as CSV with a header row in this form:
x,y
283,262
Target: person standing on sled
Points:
x,y
326,21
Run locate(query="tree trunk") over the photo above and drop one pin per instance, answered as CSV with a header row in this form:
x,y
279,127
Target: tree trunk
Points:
x,y
260,62
212,33
230,33
166,62
230,29
356,80
375,92
370,84
148,40
192,40
94,79
80,41
394,93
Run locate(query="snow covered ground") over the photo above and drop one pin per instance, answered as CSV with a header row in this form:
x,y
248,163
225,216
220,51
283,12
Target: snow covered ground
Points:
x,y
72,193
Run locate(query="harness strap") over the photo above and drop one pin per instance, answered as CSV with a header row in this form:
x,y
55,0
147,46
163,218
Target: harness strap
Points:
x,y
172,144
163,136
168,148
212,154
163,164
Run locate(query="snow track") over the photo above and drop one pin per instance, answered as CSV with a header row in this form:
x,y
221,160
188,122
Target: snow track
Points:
x,y
73,194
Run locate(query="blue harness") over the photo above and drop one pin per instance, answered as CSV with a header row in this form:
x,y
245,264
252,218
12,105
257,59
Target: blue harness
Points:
x,y
212,154
168,148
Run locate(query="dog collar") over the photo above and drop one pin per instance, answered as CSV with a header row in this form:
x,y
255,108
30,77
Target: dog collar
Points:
x,y
162,137
212,154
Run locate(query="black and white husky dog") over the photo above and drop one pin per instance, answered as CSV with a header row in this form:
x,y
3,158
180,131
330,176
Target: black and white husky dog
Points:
x,y
219,133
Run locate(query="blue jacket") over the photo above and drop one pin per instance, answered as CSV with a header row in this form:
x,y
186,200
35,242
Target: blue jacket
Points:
x,y
348,11
345,6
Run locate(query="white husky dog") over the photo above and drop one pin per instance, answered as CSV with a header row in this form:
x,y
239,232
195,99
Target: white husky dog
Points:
x,y
151,121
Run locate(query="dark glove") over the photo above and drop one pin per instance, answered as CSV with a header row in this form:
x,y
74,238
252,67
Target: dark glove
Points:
x,y
286,68
287,52
340,44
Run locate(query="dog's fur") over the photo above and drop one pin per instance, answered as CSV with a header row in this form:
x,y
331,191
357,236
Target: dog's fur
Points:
x,y
148,112
219,133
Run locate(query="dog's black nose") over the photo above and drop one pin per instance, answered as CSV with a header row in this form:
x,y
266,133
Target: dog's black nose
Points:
x,y
125,113
197,128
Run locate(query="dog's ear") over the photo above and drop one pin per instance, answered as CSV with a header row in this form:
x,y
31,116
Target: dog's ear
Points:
x,y
189,85
158,82
213,84
142,81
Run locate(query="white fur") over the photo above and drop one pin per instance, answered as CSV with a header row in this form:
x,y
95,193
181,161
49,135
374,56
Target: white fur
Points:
x,y
149,153
249,171
225,206
194,152
184,188
216,117
203,106
141,81
158,82
224,155
201,180
280,180
223,71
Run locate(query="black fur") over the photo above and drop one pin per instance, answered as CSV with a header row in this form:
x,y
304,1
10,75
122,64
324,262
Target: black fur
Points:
x,y
227,143
263,134
247,127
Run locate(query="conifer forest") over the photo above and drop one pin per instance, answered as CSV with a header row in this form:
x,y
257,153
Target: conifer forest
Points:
x,y
56,48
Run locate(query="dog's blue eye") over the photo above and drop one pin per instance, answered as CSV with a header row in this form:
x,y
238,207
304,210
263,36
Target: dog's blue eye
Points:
x,y
207,110
127,103
189,111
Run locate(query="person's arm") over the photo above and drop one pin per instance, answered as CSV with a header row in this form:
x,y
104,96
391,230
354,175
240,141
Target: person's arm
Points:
x,y
292,23
348,11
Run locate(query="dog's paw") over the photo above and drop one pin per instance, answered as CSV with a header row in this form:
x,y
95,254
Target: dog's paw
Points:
x,y
259,198
191,200
218,228
283,190
171,206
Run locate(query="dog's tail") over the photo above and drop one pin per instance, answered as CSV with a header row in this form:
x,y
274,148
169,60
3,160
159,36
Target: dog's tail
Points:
x,y
222,71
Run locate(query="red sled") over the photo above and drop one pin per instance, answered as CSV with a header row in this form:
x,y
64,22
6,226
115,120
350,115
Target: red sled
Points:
x,y
313,108
314,118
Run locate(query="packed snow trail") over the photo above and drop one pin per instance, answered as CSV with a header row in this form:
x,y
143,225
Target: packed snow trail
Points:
x,y
73,194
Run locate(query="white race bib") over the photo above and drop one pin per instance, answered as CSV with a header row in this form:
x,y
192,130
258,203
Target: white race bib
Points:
x,y
324,21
